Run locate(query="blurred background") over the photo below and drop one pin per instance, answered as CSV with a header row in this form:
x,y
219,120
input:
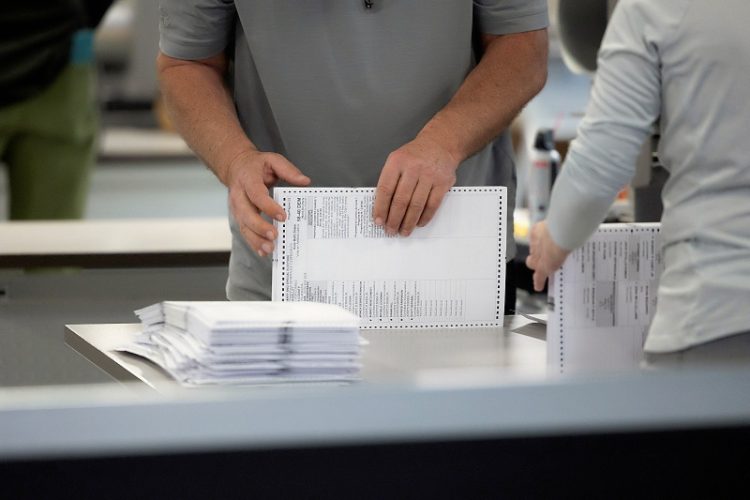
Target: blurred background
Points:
x,y
142,168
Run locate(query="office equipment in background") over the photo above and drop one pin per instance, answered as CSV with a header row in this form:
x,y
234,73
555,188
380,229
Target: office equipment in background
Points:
x,y
450,273
544,164
603,298
204,343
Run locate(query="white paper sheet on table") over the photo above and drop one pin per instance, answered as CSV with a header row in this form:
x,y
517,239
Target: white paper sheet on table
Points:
x,y
450,273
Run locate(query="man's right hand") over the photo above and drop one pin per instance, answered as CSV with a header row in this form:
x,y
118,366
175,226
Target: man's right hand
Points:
x,y
248,178
203,112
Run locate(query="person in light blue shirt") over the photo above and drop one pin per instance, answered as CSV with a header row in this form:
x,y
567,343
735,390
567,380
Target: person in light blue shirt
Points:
x,y
685,63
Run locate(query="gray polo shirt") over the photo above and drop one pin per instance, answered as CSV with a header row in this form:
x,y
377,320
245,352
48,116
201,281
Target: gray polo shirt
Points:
x,y
686,62
335,86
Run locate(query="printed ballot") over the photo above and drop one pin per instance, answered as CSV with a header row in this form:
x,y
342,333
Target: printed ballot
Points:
x,y
205,343
603,298
450,273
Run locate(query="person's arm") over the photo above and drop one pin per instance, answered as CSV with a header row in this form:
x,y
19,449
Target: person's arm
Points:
x,y
416,176
202,110
625,103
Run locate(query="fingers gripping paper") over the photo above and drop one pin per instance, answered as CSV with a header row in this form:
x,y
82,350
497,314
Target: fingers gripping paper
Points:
x,y
450,273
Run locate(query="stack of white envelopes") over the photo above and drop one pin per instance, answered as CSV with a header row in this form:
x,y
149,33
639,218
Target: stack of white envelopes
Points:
x,y
202,343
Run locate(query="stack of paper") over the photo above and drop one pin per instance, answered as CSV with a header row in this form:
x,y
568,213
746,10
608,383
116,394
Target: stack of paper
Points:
x,y
202,343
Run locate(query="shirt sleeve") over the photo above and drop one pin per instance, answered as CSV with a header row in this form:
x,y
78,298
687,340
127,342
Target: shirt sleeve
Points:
x,y
624,106
501,17
195,29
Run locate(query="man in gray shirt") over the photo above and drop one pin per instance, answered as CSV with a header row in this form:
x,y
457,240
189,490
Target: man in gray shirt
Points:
x,y
386,93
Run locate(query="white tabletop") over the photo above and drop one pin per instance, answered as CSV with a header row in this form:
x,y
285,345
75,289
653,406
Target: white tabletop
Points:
x,y
97,243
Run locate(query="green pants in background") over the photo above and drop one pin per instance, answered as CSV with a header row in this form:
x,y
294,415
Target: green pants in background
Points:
x,y
47,144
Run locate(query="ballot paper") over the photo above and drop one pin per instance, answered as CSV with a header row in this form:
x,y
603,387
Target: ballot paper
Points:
x,y
603,298
450,273
203,343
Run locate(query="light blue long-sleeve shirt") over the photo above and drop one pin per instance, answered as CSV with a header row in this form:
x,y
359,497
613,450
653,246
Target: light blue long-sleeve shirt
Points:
x,y
687,64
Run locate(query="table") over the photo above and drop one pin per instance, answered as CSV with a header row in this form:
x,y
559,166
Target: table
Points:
x,y
659,435
513,351
439,413
115,243
57,272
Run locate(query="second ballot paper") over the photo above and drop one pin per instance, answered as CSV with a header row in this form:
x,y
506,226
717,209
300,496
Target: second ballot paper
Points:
x,y
450,273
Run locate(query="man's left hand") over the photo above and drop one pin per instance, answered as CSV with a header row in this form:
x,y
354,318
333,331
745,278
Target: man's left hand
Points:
x,y
412,185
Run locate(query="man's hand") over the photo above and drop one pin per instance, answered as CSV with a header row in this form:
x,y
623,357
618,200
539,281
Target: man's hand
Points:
x,y
415,177
545,256
204,114
248,178
412,185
